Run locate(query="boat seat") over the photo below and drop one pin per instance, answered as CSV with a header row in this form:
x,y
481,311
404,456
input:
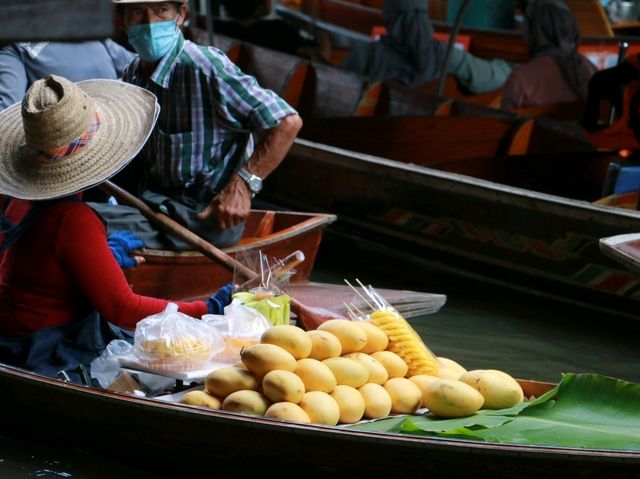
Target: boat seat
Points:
x,y
621,178
329,92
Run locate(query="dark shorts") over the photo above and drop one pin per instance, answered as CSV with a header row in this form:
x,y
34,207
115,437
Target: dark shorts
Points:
x,y
181,208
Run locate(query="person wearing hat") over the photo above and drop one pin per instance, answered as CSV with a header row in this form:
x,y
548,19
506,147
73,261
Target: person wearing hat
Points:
x,y
219,133
63,296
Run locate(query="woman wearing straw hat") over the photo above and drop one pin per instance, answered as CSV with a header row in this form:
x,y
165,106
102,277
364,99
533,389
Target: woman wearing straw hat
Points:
x,y
61,290
219,133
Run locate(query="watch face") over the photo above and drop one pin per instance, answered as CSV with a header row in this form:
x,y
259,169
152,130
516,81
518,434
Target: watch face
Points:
x,y
255,184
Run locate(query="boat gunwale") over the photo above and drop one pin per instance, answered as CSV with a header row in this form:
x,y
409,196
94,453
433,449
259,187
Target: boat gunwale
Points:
x,y
432,443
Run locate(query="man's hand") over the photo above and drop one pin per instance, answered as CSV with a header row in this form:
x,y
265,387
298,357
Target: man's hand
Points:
x,y
231,206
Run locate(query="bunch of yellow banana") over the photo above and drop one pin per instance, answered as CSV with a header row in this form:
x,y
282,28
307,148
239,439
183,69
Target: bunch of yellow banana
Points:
x,y
406,343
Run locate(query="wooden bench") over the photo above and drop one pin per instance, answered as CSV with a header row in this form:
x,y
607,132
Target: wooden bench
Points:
x,y
423,140
283,73
330,92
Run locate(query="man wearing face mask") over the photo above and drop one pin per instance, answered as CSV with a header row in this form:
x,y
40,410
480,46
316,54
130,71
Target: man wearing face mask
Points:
x,y
219,133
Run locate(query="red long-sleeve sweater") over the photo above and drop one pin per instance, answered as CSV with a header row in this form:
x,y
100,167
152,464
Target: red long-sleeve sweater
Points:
x,y
61,269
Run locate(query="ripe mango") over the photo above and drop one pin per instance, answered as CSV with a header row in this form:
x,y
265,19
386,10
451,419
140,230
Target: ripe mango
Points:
x,y
394,364
451,398
348,371
321,408
224,381
377,339
316,375
246,402
377,372
377,402
261,358
351,403
287,411
280,385
288,337
406,397
498,388
200,398
324,345
352,337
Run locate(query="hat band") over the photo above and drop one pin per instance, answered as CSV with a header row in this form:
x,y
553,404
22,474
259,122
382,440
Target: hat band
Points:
x,y
72,147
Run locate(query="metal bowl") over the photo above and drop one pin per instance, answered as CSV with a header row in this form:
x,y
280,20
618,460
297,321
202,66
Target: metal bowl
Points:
x,y
623,10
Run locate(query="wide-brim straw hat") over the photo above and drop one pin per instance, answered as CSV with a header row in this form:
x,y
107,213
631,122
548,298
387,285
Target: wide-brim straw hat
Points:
x,y
57,113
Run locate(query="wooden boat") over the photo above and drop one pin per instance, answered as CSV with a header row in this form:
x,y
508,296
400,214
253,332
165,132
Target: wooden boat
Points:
x,y
190,275
173,439
349,22
526,222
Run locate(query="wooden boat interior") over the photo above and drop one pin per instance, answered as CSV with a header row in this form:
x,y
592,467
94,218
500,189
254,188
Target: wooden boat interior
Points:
x,y
394,121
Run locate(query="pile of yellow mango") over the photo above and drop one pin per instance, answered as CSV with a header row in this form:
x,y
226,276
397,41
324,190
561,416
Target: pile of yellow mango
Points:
x,y
346,371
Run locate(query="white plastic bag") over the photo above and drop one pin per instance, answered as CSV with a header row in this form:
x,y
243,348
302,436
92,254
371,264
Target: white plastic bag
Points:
x,y
173,341
240,326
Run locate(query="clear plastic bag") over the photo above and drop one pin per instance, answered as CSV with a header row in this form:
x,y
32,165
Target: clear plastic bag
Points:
x,y
266,292
240,326
173,341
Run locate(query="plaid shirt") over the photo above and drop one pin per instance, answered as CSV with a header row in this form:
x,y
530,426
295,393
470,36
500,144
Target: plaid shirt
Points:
x,y
209,108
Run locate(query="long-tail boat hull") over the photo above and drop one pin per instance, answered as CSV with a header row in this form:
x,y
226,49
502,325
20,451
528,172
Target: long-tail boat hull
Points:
x,y
175,440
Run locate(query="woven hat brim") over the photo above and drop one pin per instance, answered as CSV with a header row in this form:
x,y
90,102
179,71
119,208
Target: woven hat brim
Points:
x,y
128,114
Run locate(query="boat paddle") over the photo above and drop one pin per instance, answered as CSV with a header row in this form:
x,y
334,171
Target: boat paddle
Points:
x,y
309,318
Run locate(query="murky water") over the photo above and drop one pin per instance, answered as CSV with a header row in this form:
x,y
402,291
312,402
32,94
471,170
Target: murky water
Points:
x,y
480,327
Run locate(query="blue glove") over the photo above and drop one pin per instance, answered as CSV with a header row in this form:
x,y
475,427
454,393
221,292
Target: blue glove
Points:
x,y
218,301
121,244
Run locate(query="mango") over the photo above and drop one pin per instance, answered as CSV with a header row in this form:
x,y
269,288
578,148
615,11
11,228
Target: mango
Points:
x,y
316,375
348,371
224,381
377,339
261,358
321,408
377,372
246,402
352,337
279,385
421,380
406,397
200,398
394,364
451,398
351,403
377,402
498,388
287,411
324,345
290,338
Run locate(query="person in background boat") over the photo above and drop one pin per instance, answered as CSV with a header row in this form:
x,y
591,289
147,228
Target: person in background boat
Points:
x,y
23,63
556,71
63,296
409,53
248,21
218,136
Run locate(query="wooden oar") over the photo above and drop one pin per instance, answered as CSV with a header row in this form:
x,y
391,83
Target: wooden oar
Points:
x,y
309,318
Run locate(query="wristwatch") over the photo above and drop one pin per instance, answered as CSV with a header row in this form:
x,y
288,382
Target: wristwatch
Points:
x,y
253,182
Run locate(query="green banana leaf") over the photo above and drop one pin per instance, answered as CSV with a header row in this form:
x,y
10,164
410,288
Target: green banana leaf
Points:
x,y
583,411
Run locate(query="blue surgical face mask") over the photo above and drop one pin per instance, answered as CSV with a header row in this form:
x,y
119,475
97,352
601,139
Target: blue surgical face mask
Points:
x,y
152,41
